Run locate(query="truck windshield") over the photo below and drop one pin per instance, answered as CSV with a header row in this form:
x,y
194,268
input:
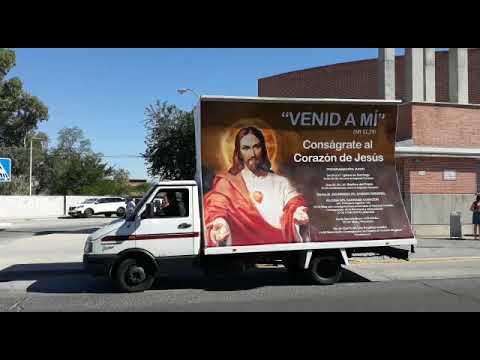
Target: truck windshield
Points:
x,y
141,203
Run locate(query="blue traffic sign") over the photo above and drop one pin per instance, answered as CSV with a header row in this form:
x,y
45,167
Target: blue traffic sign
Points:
x,y
5,170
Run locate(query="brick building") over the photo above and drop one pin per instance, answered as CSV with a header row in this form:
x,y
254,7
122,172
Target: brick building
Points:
x,y
438,136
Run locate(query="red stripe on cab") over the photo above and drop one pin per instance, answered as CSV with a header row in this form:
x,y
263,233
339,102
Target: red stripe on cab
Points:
x,y
150,236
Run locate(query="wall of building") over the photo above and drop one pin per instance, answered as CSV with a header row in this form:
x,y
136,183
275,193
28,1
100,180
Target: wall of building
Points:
x,y
435,209
349,80
359,80
433,200
404,123
430,213
478,177
425,176
445,125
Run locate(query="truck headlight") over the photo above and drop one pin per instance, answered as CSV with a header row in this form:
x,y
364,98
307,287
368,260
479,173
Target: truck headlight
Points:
x,y
88,247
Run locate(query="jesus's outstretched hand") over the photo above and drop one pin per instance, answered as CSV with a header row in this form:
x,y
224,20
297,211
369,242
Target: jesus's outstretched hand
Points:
x,y
300,216
219,231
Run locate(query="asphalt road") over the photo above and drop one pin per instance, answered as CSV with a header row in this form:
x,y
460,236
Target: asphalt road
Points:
x,y
261,290
41,270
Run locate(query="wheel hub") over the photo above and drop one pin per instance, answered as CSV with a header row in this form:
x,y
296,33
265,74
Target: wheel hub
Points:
x,y
136,275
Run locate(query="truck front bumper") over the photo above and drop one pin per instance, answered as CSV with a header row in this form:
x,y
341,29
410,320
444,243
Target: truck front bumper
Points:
x,y
98,265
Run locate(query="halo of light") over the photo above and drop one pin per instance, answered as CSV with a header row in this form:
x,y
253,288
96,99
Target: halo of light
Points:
x,y
228,140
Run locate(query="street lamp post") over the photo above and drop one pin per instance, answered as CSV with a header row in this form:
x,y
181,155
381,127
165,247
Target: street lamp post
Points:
x,y
184,90
31,152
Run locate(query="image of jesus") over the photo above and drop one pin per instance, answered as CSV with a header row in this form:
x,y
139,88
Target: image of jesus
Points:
x,y
250,204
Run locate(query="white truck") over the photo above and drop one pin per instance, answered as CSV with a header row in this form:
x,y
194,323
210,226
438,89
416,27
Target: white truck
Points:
x,y
306,183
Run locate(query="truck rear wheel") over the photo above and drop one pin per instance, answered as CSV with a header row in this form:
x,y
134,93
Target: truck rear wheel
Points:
x,y
325,269
133,276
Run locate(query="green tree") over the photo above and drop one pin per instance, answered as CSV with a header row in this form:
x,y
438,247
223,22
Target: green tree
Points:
x,y
72,165
20,112
18,185
105,187
140,190
121,176
170,141
115,184
20,182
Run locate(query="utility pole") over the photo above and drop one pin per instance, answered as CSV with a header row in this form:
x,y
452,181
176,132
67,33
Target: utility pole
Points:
x,y
31,153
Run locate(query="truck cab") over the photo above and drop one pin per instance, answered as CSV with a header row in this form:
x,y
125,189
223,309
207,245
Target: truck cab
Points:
x,y
164,224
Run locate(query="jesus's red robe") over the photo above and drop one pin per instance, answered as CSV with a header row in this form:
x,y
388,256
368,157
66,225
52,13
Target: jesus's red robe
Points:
x,y
229,199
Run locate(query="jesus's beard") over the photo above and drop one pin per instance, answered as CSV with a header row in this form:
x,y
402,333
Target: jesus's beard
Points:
x,y
256,166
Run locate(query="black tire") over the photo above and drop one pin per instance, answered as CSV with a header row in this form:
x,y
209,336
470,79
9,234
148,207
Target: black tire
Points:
x,y
133,276
108,214
88,213
325,269
121,212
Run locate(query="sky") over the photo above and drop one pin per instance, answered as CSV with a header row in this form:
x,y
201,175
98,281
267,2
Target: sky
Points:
x,y
105,91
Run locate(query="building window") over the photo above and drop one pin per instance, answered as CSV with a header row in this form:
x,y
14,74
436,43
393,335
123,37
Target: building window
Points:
x,y
449,175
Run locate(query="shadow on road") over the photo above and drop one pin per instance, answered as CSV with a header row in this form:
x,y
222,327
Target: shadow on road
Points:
x,y
249,280
60,278
69,278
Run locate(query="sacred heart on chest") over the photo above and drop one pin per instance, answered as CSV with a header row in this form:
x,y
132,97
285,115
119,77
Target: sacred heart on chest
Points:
x,y
257,196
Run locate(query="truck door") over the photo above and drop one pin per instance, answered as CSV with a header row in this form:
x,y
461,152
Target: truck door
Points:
x,y
168,229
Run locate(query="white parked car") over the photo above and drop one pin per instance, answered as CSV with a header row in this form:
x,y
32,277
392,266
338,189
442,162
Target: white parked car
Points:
x,y
94,206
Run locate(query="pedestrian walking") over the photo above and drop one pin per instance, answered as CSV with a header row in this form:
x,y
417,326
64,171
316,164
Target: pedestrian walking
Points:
x,y
130,207
476,217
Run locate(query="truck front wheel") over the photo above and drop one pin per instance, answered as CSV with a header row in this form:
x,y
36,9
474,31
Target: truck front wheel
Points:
x,y
325,270
133,276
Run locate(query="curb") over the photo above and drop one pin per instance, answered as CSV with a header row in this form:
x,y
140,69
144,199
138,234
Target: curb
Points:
x,y
32,218
420,260
441,238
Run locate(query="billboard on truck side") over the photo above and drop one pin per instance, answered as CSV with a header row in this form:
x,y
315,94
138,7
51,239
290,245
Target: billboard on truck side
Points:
x,y
278,172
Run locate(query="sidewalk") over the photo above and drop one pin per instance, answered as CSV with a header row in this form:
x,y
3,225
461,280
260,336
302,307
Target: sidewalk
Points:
x,y
6,223
432,249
